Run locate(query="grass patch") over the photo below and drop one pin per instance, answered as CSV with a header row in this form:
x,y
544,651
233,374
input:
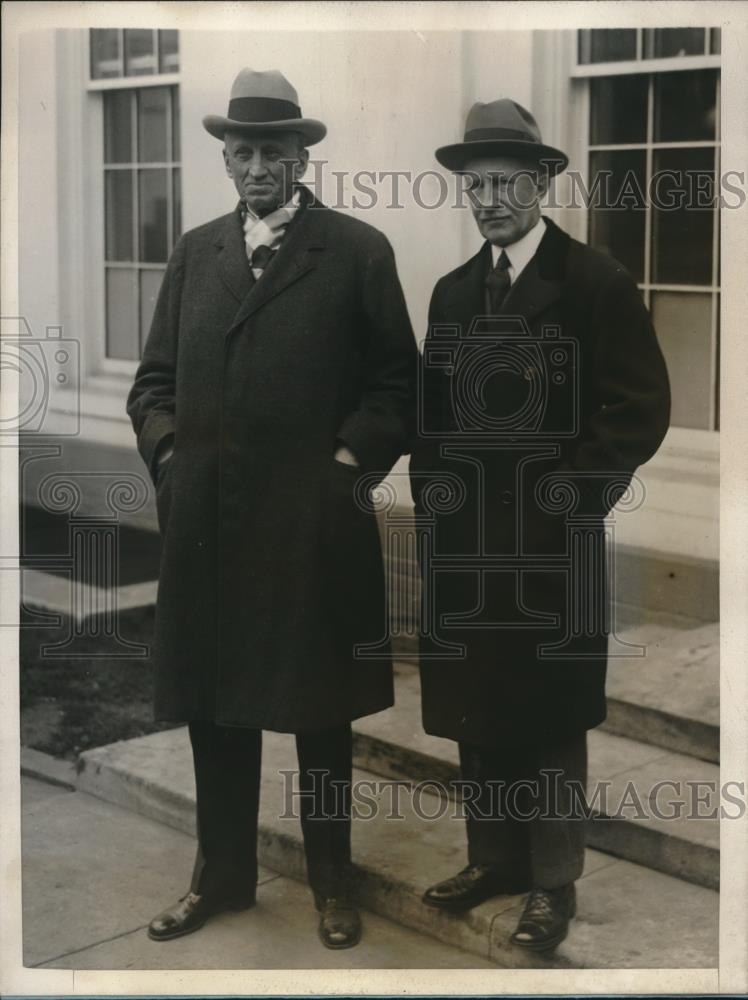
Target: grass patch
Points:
x,y
70,705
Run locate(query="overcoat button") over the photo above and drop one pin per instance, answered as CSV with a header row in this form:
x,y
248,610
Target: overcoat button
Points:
x,y
507,496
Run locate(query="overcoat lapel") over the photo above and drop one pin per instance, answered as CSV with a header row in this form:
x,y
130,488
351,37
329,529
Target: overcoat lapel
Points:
x,y
541,282
465,299
233,264
294,258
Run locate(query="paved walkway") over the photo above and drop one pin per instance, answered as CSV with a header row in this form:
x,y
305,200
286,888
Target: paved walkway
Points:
x,y
94,874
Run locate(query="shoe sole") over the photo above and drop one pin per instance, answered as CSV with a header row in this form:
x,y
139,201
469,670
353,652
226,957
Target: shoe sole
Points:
x,y
177,934
546,945
233,907
339,947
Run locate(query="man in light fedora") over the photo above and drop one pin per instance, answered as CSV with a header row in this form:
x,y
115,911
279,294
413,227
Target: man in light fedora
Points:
x,y
280,367
543,388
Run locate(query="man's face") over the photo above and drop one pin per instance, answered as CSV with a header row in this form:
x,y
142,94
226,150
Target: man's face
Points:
x,y
505,196
264,167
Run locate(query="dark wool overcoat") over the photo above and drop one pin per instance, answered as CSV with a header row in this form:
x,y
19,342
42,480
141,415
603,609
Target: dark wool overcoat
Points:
x,y
271,571
533,424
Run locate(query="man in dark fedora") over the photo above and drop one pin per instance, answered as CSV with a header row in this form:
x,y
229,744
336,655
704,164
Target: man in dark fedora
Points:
x,y
543,388
280,367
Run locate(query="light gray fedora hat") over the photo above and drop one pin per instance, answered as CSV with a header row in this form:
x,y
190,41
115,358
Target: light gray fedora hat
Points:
x,y
501,127
264,101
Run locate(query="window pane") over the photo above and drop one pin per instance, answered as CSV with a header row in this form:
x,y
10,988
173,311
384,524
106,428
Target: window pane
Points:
x,y
676,42
175,124
152,124
140,57
119,215
122,313
177,205
681,228
106,58
150,282
685,106
618,109
683,324
715,41
153,243
168,47
619,228
118,126
611,45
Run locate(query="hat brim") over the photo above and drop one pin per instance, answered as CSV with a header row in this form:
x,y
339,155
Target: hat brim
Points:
x,y
310,129
455,156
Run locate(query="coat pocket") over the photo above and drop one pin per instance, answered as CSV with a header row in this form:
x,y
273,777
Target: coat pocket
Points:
x,y
163,494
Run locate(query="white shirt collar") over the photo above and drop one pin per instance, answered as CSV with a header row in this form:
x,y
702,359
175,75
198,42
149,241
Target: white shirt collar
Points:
x,y
521,253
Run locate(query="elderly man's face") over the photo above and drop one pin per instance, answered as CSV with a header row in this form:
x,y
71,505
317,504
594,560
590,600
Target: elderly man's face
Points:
x,y
264,167
505,196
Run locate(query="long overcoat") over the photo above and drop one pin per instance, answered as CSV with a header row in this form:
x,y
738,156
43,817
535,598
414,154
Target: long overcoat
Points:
x,y
271,570
533,423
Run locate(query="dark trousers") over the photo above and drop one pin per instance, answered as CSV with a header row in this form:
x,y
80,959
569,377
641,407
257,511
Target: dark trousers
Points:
x,y
227,779
546,850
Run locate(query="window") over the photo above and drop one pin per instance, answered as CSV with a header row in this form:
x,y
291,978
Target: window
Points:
x,y
653,153
618,44
117,52
142,195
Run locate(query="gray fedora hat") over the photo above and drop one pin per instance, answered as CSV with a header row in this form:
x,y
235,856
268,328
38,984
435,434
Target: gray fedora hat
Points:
x,y
264,102
501,126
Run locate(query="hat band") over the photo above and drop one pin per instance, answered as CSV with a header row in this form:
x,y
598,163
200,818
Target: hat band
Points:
x,y
483,134
262,109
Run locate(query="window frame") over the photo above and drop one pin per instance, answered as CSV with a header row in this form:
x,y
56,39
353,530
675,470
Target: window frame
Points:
x,y
683,476
582,73
135,168
106,366
115,82
642,63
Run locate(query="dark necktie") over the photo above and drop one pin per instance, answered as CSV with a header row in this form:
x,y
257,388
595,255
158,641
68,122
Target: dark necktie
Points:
x,y
261,256
498,283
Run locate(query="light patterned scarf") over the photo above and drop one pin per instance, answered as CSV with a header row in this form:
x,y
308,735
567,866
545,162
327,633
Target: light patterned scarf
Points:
x,y
262,237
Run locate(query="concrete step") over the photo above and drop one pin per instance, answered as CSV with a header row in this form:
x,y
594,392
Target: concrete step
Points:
x,y
669,696
399,852
622,776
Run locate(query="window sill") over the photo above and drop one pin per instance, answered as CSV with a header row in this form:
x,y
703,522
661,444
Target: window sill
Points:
x,y
625,67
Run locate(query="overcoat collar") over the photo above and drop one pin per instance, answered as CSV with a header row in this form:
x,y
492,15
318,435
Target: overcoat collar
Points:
x,y
293,259
539,285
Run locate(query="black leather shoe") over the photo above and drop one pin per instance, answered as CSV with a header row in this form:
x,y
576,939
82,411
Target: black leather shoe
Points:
x,y
545,919
189,914
339,922
473,885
